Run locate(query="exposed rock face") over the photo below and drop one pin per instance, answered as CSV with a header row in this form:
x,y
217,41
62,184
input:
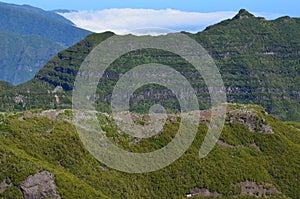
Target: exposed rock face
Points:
x,y
203,192
51,114
255,146
250,120
18,99
243,14
254,189
58,89
220,142
39,186
4,186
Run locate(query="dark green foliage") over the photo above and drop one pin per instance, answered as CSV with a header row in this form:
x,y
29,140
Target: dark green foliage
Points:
x,y
258,60
5,86
12,193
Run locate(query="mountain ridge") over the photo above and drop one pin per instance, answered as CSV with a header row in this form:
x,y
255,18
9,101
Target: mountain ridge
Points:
x,y
258,60
27,27
37,11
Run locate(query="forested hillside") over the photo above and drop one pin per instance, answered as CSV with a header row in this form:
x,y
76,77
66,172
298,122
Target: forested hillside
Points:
x,y
258,61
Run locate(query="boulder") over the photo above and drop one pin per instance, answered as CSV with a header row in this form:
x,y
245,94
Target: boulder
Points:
x,y
39,186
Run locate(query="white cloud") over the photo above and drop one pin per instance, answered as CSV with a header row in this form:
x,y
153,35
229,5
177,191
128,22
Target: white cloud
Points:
x,y
124,21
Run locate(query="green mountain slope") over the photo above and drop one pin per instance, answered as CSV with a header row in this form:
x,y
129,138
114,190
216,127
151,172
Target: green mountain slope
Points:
x,y
258,60
23,55
5,86
29,38
263,160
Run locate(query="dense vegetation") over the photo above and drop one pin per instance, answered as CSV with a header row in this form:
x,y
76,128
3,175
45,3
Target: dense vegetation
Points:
x,y
29,38
259,63
23,55
258,60
38,140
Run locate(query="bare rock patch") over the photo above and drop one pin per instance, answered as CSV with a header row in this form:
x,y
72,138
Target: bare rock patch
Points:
x,y
39,186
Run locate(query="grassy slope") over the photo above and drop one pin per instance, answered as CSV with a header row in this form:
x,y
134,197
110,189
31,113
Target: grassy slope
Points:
x,y
39,143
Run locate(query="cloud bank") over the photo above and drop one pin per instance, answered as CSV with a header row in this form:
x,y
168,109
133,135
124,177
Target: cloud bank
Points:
x,y
124,21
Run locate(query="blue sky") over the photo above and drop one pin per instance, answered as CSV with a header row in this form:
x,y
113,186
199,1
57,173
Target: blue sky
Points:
x,y
283,7
124,16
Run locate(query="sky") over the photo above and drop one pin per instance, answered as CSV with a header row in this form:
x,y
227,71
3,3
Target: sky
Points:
x,y
123,16
285,7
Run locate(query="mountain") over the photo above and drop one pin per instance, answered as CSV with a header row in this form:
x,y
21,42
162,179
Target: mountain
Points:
x,y
37,11
29,38
258,60
23,55
256,156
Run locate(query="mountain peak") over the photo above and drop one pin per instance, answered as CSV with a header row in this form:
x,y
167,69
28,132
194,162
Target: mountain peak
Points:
x,y
243,14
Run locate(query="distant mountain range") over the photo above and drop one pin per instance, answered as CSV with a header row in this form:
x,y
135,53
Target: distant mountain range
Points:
x,y
258,60
29,38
